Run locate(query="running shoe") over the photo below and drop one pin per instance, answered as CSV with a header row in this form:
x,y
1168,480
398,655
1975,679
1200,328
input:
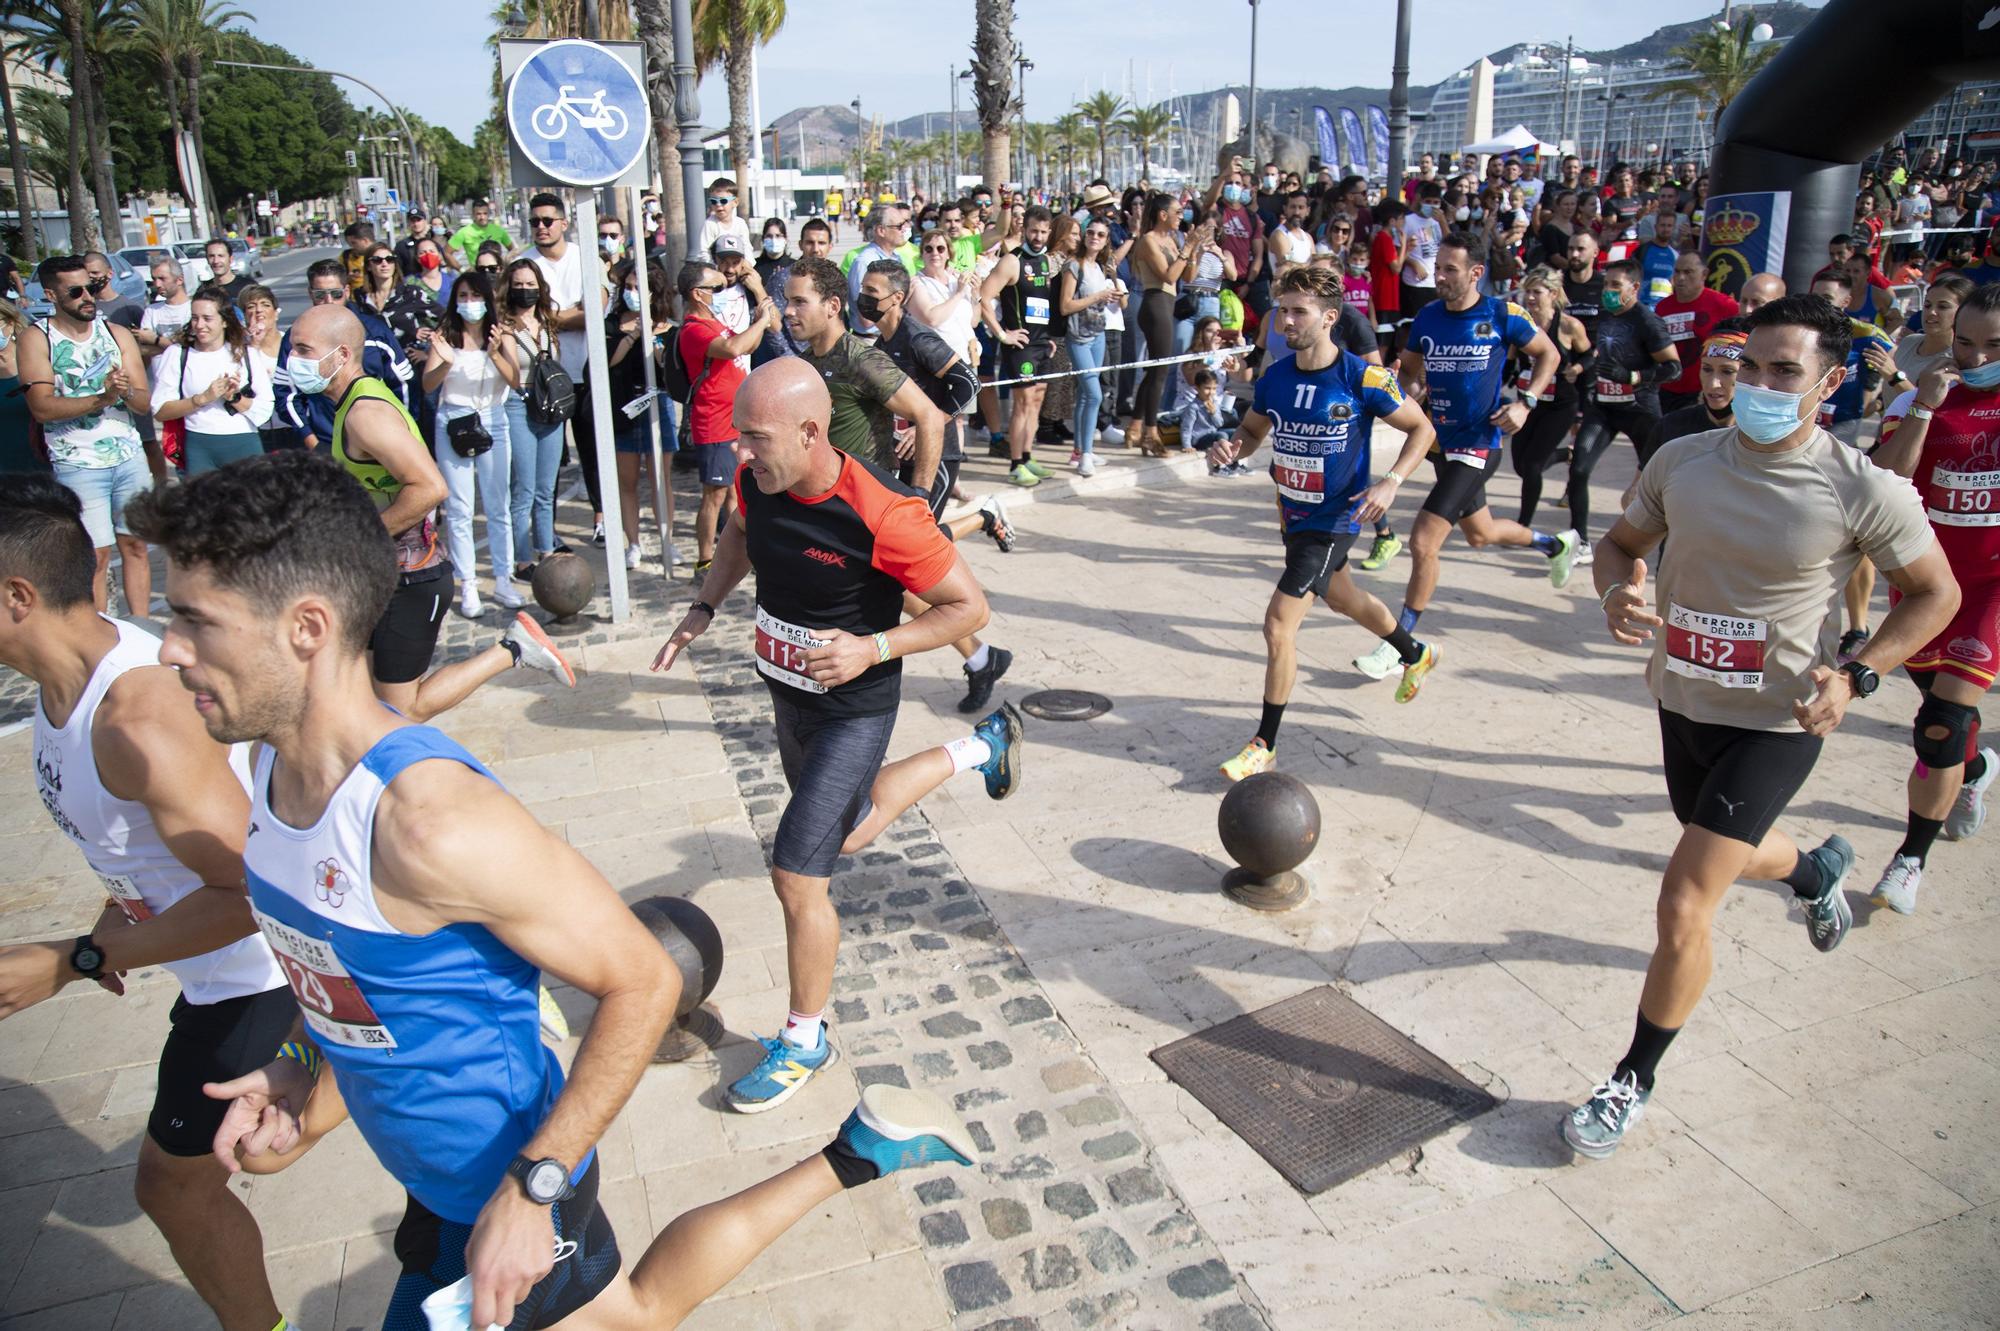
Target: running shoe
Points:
x,y
893,1128
1253,759
778,1078
1414,672
1828,916
993,521
996,446
469,604
524,573
701,567
1595,1127
555,1026
1380,663
1041,472
1088,465
1968,811
1075,456
597,535
536,650
1851,642
1381,552
505,596
1563,561
1112,435
979,683
633,555
1021,476
1002,732
1898,888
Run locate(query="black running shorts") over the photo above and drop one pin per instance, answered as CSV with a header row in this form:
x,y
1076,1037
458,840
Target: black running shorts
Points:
x,y
941,484
405,638
1460,488
213,1042
432,1252
1311,560
1733,782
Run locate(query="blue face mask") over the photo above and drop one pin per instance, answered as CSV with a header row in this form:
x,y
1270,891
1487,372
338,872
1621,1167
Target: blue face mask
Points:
x,y
4,339
1767,415
1426,208
1187,214
305,373
632,299
1982,376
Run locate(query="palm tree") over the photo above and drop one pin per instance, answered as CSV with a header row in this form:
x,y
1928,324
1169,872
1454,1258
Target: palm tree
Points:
x,y
45,125
1038,141
1145,126
654,19
1720,64
1070,132
46,40
1101,110
727,32
180,35
993,54
16,152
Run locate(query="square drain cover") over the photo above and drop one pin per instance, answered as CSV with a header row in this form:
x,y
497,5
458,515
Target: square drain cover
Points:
x,y
1321,1087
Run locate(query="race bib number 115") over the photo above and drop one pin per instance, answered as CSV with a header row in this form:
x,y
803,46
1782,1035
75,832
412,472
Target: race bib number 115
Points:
x,y
781,651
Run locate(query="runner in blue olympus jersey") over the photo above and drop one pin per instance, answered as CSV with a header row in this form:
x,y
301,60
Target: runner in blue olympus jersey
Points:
x,y
1318,406
1456,358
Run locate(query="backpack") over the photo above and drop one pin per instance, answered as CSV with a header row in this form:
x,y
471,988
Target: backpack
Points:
x,y
549,393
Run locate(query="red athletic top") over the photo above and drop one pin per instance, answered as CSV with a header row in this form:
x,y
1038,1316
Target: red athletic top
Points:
x,y
1958,474
1382,272
1688,325
713,410
842,560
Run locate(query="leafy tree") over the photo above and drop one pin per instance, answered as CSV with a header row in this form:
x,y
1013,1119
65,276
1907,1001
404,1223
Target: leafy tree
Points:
x,y
1146,126
1102,110
1721,65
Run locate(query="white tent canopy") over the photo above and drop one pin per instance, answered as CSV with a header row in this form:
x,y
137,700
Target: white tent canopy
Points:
x,y
1513,141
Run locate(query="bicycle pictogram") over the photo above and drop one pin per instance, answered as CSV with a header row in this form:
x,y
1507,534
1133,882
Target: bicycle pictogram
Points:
x,y
551,119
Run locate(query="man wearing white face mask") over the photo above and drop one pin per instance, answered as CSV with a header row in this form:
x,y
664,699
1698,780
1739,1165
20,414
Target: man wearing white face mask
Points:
x,y
1768,518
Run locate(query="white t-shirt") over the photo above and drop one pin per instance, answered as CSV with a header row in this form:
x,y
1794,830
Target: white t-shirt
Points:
x,y
565,279
735,226
202,368
165,320
1424,235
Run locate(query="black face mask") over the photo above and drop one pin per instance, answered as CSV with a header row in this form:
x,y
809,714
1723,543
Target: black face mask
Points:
x,y
522,300
868,306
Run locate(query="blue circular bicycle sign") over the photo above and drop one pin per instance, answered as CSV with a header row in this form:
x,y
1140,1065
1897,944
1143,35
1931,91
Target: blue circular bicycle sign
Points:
x,y
578,112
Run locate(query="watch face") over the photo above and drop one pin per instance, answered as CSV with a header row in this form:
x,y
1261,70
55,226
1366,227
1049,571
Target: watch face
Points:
x,y
546,1179
88,959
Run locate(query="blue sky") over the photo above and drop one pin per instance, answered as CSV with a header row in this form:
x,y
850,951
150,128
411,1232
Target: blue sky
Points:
x,y
431,58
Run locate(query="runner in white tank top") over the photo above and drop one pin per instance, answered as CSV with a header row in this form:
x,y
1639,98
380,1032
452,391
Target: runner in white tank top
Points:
x,y
158,811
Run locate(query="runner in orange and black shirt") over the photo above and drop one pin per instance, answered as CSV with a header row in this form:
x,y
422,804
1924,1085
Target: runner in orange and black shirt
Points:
x,y
835,543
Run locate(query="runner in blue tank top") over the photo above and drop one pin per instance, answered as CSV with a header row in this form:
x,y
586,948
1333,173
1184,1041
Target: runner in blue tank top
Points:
x,y
1456,358
1318,406
413,904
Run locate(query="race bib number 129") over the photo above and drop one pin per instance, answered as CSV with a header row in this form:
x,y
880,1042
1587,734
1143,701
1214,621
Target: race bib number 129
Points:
x,y
1722,649
335,1009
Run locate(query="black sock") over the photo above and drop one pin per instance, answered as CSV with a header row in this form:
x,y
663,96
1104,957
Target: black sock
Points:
x,y
1649,1046
1975,767
1804,879
1267,729
851,1170
1922,832
513,648
1406,646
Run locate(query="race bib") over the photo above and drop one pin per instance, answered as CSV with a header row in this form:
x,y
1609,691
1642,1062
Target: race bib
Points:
x,y
1616,394
781,651
1300,478
1722,649
127,896
1034,309
1964,498
334,1007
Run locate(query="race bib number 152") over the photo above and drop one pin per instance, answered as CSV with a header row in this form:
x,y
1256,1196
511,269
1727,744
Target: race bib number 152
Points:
x,y
1722,649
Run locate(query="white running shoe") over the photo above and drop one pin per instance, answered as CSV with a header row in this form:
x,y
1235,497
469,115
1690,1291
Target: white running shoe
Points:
x,y
538,650
1968,811
1381,663
469,604
1112,435
1900,881
1087,465
505,596
632,555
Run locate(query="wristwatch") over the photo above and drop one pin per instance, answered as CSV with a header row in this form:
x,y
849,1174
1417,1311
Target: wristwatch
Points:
x,y
87,958
1865,681
704,607
545,1182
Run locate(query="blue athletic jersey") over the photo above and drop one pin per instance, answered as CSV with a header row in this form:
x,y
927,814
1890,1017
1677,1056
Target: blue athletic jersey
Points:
x,y
1845,403
1465,367
1320,425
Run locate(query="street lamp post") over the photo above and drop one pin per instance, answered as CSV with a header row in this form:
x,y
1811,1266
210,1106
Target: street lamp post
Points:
x,y
1399,103
860,144
1251,151
1023,65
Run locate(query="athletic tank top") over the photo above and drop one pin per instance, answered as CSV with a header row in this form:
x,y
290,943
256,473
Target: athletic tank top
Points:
x,y
416,548
436,1038
117,837
80,366
1030,300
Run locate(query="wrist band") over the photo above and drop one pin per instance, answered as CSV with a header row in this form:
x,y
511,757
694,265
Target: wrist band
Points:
x,y
881,648
1922,412
304,1053
1391,476
1604,601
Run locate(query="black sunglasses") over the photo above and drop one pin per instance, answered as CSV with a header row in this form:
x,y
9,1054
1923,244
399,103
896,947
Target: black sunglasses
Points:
x,y
486,267
545,221
708,286
381,258
329,297
71,293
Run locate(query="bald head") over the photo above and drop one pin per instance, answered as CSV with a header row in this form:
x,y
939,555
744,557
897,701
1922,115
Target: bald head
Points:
x,y
1759,291
783,412
324,327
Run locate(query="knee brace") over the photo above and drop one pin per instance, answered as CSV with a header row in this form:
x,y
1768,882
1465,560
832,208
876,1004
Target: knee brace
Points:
x,y
1958,722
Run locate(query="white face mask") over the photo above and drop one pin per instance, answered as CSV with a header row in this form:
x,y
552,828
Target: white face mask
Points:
x,y
473,311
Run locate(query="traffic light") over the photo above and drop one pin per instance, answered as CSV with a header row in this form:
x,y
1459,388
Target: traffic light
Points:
x,y
350,159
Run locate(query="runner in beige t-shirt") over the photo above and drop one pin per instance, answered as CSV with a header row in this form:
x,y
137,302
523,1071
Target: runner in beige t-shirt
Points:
x,y
1768,518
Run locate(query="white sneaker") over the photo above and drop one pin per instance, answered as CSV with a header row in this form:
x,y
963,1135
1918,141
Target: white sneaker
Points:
x,y
671,555
468,603
1112,435
505,596
632,555
1968,811
1087,465
538,650
1898,888
1584,550
1380,663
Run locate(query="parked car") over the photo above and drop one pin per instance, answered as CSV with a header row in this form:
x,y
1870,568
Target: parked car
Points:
x,y
246,259
35,302
142,257
194,264
129,281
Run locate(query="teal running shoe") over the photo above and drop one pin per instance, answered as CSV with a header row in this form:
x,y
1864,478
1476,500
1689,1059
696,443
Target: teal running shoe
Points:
x,y
893,1128
778,1078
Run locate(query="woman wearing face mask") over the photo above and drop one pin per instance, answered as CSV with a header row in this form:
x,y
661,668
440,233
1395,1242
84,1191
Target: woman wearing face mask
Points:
x,y
1159,261
535,450
216,383
632,334
773,267
1212,266
470,369
16,452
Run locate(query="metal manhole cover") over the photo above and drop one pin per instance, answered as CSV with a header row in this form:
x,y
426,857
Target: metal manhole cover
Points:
x,y
1065,705
1321,1087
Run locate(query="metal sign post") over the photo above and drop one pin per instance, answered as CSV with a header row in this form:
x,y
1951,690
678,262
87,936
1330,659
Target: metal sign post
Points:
x,y
577,115
663,495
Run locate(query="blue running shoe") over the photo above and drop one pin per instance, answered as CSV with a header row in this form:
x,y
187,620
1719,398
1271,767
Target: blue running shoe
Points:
x,y
894,1129
1828,916
1002,732
777,1079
